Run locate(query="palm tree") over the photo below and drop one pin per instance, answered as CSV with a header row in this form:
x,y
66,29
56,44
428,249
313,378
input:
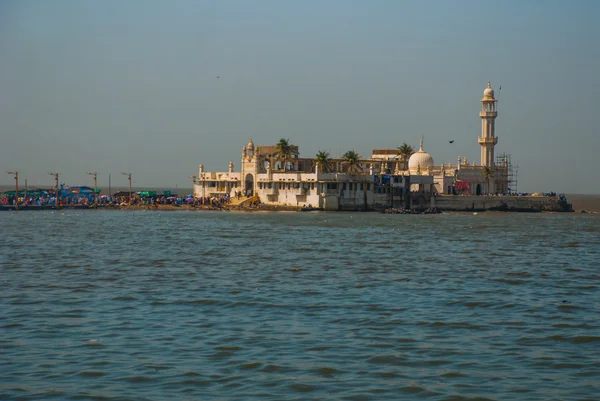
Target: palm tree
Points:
x,y
405,152
487,173
285,152
324,161
352,160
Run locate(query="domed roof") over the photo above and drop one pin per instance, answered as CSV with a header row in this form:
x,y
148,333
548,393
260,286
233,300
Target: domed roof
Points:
x,y
488,93
250,145
420,160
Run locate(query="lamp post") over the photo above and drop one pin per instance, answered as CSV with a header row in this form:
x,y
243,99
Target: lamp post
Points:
x,y
56,177
194,178
16,174
129,176
95,175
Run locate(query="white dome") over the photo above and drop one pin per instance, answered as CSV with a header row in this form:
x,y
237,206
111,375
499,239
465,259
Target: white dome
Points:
x,y
420,160
488,93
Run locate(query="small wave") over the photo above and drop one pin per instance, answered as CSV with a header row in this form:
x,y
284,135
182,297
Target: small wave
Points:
x,y
327,371
32,302
302,388
158,367
387,360
197,383
319,348
509,281
387,375
222,355
202,301
93,344
192,374
138,379
91,373
250,366
382,346
13,326
412,388
568,366
576,339
453,374
228,348
303,249
477,304
568,307
125,298
276,369
519,274
573,326
457,325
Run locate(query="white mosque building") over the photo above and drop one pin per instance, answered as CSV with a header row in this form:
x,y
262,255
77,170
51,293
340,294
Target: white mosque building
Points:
x,y
383,180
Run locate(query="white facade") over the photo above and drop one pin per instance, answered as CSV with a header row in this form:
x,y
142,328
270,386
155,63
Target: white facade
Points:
x,y
488,115
384,180
303,184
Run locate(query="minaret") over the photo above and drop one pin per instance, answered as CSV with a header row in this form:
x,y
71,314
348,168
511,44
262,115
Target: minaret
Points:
x,y
488,115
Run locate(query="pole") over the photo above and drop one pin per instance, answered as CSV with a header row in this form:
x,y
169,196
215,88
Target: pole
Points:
x,y
56,177
109,189
95,175
16,174
193,177
25,190
130,193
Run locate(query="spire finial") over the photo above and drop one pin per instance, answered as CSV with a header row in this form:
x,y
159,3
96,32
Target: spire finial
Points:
x,y
489,84
421,144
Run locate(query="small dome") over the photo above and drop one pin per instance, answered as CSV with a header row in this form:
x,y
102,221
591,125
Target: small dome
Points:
x,y
250,145
420,160
488,93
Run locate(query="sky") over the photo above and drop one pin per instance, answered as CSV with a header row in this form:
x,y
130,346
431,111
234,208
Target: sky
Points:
x,y
156,88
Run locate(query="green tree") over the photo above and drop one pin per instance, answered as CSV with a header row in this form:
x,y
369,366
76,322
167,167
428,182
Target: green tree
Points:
x,y
352,161
405,152
324,161
488,172
285,152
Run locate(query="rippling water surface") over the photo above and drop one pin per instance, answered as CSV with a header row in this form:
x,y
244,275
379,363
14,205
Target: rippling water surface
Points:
x,y
115,305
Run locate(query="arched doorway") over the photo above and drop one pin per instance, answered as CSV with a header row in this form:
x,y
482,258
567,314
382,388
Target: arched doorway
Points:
x,y
249,183
478,190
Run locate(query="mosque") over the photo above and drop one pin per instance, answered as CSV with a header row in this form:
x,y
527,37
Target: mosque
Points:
x,y
386,179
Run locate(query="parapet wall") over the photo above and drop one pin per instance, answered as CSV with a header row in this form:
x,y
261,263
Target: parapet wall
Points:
x,y
503,203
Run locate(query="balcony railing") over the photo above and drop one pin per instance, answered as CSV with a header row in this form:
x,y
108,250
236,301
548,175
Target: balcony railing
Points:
x,y
493,140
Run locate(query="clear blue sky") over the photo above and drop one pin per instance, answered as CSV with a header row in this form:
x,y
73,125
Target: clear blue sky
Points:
x,y
112,86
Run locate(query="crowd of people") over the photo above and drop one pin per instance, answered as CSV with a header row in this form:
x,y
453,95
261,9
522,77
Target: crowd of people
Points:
x,y
113,201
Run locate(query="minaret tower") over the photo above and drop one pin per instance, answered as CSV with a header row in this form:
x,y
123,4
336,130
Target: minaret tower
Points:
x,y
488,115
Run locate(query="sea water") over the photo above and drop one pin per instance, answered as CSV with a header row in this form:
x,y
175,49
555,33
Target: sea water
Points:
x,y
151,305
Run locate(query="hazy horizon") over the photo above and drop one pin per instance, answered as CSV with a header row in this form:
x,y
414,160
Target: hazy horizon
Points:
x,y
155,88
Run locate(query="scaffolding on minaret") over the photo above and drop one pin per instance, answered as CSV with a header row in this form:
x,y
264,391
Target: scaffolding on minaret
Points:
x,y
507,173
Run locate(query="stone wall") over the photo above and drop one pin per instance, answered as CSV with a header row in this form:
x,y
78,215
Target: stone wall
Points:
x,y
503,203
